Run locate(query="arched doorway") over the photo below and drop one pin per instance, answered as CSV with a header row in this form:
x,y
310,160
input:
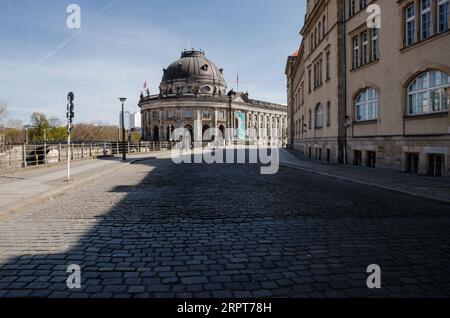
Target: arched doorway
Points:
x,y
156,133
222,133
206,138
170,130
191,132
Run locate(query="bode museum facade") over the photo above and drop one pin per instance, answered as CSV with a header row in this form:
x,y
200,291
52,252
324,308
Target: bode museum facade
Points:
x,y
193,95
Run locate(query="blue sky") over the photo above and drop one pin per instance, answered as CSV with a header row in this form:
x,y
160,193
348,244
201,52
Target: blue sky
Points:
x,y
122,43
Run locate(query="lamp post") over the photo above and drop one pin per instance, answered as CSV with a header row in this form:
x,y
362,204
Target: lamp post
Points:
x,y
26,136
124,155
45,146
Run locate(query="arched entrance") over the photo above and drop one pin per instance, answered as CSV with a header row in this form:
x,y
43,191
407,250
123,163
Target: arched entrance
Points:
x,y
206,138
156,133
191,132
170,130
222,133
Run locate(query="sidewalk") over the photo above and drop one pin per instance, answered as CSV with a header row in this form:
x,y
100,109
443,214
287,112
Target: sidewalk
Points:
x,y
422,186
24,188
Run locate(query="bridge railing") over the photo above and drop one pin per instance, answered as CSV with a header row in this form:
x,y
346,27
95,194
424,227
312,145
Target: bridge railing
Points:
x,y
18,156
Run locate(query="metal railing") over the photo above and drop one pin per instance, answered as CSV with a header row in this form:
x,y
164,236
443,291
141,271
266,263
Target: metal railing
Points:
x,y
17,156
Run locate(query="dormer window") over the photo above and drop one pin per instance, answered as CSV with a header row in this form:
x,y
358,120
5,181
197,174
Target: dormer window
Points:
x,y
205,68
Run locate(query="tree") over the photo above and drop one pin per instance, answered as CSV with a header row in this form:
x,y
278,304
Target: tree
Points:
x,y
57,134
14,136
135,136
40,126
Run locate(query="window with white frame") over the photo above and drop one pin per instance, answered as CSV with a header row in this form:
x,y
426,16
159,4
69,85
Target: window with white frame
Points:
x,y
319,116
429,93
425,19
365,48
410,24
355,52
374,44
443,8
366,105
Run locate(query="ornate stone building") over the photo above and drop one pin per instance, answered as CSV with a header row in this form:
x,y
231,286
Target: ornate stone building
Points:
x,y
377,97
193,89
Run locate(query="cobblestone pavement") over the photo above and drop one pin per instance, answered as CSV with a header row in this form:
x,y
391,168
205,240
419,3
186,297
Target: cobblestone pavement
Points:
x,y
156,229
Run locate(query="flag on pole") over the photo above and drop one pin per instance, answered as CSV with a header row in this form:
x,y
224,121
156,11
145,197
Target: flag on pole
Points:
x,y
237,81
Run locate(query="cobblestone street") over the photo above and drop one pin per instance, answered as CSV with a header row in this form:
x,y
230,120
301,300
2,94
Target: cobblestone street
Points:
x,y
156,229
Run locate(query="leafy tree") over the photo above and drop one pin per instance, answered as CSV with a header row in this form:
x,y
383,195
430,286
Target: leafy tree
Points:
x,y
40,126
135,136
57,134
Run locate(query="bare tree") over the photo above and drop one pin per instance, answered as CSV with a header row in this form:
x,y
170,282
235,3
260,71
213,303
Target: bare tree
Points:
x,y
3,111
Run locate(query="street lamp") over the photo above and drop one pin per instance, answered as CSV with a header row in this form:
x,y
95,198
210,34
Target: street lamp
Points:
x,y
124,155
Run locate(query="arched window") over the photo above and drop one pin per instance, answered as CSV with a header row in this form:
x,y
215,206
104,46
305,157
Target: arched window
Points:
x,y
319,116
429,93
366,105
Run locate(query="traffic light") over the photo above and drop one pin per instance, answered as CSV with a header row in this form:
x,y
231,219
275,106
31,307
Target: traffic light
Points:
x,y
70,114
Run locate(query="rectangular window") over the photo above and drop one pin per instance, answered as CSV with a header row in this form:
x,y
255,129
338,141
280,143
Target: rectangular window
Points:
x,y
410,25
155,116
328,66
328,113
309,80
443,7
355,52
222,115
205,114
170,114
324,29
310,120
352,8
187,114
362,4
365,48
319,72
302,95
374,44
426,19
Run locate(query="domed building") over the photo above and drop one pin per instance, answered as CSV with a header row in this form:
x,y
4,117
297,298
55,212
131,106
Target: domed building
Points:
x,y
193,90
